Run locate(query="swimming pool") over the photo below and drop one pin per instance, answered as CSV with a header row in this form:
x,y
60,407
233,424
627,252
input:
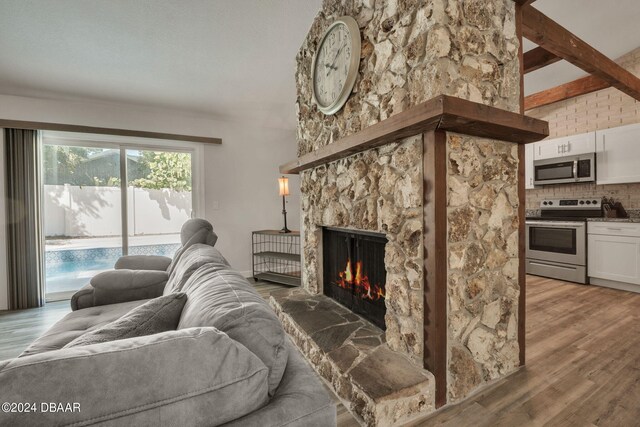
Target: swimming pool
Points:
x,y
67,270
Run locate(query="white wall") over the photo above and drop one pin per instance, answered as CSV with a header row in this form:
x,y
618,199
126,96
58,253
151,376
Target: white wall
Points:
x,y
242,187
240,176
4,297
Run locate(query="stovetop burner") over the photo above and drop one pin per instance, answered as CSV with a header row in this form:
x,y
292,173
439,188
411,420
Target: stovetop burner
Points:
x,y
569,210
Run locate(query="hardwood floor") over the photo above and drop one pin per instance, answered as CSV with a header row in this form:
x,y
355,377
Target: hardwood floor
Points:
x,y
18,329
583,360
582,366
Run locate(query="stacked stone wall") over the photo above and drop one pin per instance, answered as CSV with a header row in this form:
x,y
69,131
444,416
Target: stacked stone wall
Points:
x,y
412,51
482,286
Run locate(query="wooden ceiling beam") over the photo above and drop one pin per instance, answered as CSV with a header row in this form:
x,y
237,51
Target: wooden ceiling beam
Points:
x,y
569,90
538,58
549,35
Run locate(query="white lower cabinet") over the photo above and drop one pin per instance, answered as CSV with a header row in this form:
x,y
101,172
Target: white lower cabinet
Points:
x,y
614,254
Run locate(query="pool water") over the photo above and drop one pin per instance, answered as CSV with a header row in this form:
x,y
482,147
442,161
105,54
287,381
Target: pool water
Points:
x,y
68,270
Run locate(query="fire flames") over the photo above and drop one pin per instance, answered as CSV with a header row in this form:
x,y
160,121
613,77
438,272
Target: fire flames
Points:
x,y
360,283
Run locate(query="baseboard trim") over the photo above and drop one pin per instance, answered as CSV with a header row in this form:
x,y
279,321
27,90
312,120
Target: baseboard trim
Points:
x,y
621,286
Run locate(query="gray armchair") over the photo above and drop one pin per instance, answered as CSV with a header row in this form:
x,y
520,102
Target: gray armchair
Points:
x,y
137,277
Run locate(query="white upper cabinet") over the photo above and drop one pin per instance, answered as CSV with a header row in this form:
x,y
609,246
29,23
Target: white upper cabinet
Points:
x,y
573,145
618,155
528,166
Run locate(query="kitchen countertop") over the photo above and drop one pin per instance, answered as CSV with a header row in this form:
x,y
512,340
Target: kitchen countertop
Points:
x,y
632,220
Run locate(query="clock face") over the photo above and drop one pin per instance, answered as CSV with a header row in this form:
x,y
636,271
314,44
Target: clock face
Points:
x,y
336,65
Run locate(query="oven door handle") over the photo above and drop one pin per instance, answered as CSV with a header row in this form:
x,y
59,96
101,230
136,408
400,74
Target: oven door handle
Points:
x,y
541,264
555,224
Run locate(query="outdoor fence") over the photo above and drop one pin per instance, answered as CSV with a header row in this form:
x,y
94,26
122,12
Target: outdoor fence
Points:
x,y
84,211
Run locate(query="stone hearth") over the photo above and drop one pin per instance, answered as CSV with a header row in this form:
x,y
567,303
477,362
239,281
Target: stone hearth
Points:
x,y
381,386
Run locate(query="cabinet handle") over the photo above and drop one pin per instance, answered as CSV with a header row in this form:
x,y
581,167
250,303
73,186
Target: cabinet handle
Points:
x,y
614,229
568,146
559,147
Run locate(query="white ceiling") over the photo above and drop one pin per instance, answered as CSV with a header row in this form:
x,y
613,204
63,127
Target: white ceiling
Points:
x,y
230,59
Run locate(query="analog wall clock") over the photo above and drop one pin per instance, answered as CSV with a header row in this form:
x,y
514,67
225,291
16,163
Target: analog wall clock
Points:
x,y
335,64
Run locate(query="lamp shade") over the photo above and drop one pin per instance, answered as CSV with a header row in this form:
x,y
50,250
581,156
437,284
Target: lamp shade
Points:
x,y
283,184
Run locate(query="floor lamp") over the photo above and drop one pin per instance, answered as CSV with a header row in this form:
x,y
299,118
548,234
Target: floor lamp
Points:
x,y
283,183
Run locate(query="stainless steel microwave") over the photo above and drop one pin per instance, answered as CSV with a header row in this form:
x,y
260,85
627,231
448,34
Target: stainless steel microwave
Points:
x,y
565,170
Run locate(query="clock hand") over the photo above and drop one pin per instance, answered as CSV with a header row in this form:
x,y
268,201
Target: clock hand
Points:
x,y
336,57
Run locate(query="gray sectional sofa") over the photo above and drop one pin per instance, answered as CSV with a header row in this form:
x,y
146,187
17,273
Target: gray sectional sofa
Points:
x,y
228,363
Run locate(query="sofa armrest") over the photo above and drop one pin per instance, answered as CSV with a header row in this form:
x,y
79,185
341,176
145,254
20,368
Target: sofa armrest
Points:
x,y
115,286
83,298
143,262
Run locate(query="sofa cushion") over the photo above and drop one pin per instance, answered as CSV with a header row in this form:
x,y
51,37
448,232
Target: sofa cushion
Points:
x,y
195,376
192,259
77,323
154,316
222,298
301,399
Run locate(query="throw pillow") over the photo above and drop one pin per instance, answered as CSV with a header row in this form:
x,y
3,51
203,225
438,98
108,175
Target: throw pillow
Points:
x,y
158,315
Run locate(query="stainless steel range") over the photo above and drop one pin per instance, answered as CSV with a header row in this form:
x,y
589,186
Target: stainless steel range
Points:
x,y
556,241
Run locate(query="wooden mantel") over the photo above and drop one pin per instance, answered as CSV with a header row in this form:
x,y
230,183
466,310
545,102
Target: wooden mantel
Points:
x,y
441,113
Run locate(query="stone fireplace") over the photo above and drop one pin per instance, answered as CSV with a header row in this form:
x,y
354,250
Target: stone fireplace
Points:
x,y
410,160
377,191
367,209
354,273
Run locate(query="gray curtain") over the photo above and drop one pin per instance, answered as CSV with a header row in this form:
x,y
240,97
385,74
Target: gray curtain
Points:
x,y
25,273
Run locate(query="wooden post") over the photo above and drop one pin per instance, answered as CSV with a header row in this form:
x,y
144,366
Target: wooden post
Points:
x,y
435,259
522,277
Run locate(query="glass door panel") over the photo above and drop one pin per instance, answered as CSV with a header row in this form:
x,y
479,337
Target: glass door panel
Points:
x,y
82,215
159,200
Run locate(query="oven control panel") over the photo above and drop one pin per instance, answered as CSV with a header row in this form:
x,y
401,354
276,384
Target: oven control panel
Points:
x,y
571,204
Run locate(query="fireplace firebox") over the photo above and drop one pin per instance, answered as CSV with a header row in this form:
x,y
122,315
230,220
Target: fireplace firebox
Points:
x,y
354,273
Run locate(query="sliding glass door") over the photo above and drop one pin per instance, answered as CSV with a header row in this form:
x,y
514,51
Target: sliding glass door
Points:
x,y
102,201
81,215
159,200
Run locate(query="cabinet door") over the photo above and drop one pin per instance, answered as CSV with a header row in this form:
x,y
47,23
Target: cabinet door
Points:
x,y
584,143
618,155
548,149
614,258
528,166
573,145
